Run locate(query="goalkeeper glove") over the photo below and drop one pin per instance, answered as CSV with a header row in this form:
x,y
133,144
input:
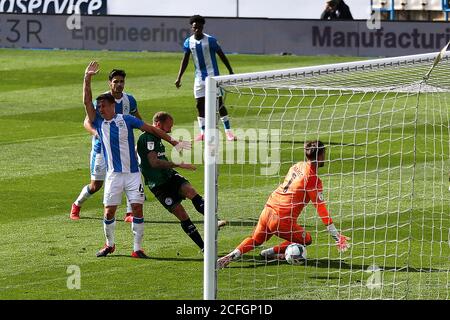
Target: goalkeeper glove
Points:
x,y
342,243
341,240
186,145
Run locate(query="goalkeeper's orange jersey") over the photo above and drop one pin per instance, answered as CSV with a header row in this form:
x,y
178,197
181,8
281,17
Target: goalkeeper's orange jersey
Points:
x,y
300,186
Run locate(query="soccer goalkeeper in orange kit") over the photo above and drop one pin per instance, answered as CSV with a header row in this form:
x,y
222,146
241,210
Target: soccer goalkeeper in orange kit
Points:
x,y
279,216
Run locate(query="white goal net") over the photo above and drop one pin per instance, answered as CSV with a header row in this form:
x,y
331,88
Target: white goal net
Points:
x,y
385,126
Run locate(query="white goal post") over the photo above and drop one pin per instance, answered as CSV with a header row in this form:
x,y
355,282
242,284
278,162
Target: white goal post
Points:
x,y
393,114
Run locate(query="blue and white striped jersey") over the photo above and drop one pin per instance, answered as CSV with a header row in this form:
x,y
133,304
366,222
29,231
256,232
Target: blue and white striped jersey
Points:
x,y
118,142
204,55
125,105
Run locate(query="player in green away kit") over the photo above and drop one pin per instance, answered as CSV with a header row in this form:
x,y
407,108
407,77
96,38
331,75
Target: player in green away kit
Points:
x,y
168,186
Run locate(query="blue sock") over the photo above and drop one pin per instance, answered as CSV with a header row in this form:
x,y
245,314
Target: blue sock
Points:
x,y
201,124
226,122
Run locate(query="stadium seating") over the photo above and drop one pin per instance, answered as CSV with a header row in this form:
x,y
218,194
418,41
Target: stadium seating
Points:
x,y
430,10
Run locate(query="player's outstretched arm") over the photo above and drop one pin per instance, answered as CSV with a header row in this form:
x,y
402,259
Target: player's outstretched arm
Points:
x,y
91,70
186,166
316,196
164,164
225,61
183,66
342,242
179,145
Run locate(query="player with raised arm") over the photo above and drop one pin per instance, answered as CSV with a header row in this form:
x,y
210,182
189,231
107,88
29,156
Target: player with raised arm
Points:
x,y
125,103
168,186
279,216
204,48
122,175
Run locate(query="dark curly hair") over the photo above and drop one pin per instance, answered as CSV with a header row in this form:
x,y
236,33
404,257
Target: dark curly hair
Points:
x,y
197,18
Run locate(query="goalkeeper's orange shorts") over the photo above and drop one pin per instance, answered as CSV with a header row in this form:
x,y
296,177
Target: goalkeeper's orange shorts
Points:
x,y
270,223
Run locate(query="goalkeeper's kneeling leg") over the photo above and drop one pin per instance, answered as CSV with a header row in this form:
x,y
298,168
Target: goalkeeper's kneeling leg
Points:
x,y
302,238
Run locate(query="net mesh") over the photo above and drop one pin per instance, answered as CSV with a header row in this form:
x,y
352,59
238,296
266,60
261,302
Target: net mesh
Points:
x,y
386,179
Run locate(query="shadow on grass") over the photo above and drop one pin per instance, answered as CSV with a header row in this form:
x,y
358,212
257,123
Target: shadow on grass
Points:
x,y
244,223
329,264
173,259
301,142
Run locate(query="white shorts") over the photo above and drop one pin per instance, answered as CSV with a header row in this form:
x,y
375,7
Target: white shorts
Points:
x,y
98,166
117,183
199,89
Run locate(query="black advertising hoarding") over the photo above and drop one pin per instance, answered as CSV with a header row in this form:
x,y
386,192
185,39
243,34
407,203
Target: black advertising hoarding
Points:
x,y
84,7
245,35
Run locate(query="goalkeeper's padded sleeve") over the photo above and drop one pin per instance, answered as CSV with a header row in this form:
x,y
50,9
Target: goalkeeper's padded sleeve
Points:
x,y
323,213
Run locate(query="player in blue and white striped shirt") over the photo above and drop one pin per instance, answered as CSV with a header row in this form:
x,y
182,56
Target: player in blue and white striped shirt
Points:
x,y
116,135
204,48
125,104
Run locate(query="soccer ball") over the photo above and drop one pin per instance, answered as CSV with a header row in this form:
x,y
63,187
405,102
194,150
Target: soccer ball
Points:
x,y
295,253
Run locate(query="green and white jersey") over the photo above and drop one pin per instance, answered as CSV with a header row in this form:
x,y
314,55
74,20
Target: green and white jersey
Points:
x,y
153,177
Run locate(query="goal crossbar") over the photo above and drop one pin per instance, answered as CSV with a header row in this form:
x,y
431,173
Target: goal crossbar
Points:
x,y
313,70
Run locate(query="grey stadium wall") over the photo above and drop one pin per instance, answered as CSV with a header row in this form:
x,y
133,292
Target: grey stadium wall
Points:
x,y
236,35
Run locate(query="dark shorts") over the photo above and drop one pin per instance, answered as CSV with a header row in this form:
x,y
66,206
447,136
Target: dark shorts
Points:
x,y
169,193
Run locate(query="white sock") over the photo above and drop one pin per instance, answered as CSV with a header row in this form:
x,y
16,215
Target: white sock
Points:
x,y
109,227
129,206
201,124
84,195
138,231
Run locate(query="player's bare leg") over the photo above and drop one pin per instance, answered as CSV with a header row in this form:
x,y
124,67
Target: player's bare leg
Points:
x,y
95,185
129,215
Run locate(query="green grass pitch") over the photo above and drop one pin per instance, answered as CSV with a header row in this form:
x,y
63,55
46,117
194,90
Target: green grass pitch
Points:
x,y
44,164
